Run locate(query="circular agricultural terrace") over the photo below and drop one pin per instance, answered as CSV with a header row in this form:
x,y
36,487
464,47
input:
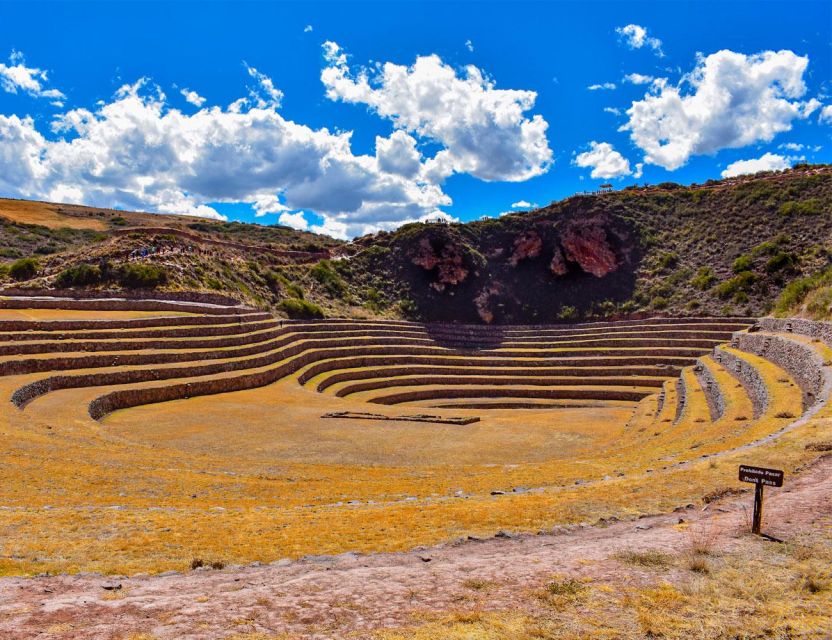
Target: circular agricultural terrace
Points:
x,y
148,432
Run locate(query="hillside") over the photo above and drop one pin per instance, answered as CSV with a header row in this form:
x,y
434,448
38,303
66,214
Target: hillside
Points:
x,y
726,247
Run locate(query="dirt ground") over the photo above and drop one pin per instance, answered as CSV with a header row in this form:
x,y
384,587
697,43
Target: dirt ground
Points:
x,y
330,597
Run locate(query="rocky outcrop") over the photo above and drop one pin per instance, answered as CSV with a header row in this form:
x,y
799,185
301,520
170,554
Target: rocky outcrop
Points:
x,y
588,244
483,302
446,259
558,264
528,244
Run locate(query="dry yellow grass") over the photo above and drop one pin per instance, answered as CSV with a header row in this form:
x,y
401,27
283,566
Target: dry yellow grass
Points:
x,y
258,475
46,214
64,314
760,591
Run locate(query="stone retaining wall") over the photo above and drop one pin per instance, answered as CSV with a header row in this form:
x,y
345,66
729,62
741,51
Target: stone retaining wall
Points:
x,y
136,323
118,305
367,360
465,379
748,377
474,392
137,295
356,374
801,361
713,391
153,333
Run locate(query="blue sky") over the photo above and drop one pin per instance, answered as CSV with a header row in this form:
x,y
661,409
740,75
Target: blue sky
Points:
x,y
78,124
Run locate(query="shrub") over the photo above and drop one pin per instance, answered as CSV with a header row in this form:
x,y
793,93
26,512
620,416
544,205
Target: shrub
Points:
x,y
4,270
141,276
295,308
659,303
79,275
743,263
280,284
667,260
118,221
782,260
648,558
797,290
568,587
811,207
741,282
324,273
568,313
23,269
704,279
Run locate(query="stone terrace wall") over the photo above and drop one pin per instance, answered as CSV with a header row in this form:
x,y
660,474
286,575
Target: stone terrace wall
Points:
x,y
748,377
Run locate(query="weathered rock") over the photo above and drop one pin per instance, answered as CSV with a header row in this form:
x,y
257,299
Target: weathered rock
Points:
x,y
527,245
558,265
588,245
447,261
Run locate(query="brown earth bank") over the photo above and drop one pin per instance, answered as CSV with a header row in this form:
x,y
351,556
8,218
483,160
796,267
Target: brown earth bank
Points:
x,y
625,580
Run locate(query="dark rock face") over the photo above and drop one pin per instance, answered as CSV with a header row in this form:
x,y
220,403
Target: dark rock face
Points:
x,y
527,245
558,264
518,271
588,245
446,259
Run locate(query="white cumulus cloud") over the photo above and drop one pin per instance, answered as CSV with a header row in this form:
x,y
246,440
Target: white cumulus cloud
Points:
x,y
609,86
469,45
293,220
135,151
193,97
635,36
483,130
729,100
826,114
604,160
638,78
522,204
767,162
16,76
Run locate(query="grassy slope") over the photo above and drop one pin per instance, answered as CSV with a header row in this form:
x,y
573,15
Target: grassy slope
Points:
x,y
727,247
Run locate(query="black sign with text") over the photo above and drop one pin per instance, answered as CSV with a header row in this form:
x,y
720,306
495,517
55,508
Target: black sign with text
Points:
x,y
761,475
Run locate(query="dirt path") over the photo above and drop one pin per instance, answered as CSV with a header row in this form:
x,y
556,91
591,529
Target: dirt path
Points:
x,y
328,597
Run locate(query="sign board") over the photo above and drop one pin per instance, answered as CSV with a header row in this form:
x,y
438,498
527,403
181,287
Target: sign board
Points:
x,y
761,475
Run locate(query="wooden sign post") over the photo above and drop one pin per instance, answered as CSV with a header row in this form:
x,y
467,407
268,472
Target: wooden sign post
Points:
x,y
760,477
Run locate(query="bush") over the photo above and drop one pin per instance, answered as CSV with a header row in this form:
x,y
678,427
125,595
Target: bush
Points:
x,y
295,308
743,263
704,279
659,303
568,313
668,260
741,282
326,275
118,221
141,276
23,269
797,290
79,275
782,260
810,207
280,284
